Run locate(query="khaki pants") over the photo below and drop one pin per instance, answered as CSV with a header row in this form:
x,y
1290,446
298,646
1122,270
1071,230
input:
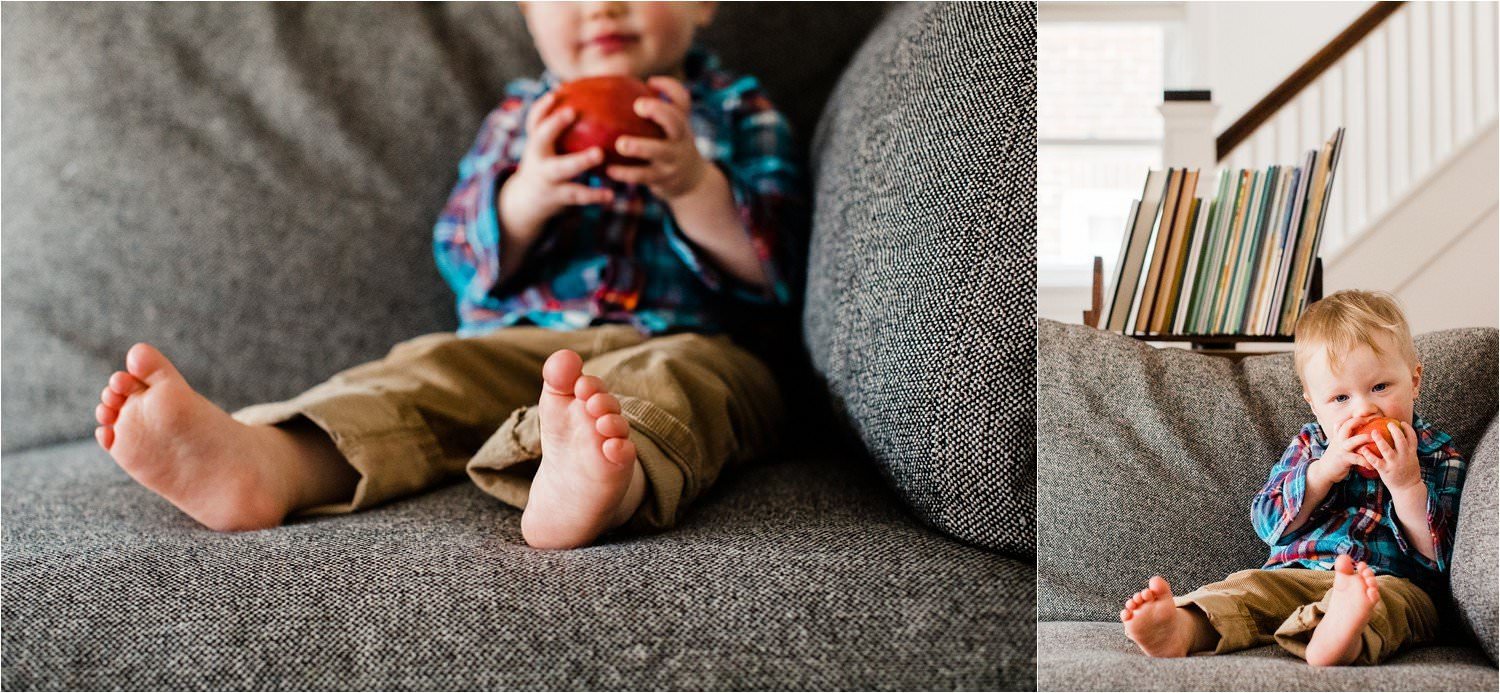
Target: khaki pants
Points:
x,y
1283,606
440,405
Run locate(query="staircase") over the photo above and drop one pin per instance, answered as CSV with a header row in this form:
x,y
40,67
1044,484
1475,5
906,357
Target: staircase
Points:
x,y
1414,202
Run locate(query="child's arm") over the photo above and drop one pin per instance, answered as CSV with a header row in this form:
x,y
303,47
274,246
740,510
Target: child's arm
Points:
x,y
737,212
505,194
1299,483
1424,498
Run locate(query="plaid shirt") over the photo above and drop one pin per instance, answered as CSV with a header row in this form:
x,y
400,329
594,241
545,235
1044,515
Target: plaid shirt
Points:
x,y
625,262
1358,517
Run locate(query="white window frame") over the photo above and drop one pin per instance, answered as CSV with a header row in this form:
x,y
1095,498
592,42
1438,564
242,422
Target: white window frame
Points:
x,y
1173,18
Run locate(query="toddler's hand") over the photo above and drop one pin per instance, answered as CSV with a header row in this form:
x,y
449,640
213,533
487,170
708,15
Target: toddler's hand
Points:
x,y
1396,462
1341,453
542,184
673,165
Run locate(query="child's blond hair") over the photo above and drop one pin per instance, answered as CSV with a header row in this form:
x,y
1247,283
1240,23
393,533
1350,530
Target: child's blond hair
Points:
x,y
1347,319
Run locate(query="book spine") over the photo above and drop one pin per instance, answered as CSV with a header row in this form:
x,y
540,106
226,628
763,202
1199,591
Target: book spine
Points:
x,y
1159,249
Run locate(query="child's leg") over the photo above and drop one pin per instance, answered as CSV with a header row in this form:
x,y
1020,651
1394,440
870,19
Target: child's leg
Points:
x,y
1242,611
688,405
1362,619
371,433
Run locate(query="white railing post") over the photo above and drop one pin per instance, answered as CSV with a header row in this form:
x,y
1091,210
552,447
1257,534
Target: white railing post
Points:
x,y
1188,134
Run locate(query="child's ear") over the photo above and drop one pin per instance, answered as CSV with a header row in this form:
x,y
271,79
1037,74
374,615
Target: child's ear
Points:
x,y
1416,381
1307,398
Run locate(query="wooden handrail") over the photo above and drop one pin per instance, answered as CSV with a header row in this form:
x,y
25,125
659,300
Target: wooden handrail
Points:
x,y
1293,85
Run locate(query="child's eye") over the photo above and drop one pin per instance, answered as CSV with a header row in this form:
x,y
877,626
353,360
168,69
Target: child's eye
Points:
x,y
1380,387
1341,398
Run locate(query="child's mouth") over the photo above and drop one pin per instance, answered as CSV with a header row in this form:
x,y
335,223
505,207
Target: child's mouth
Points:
x,y
613,43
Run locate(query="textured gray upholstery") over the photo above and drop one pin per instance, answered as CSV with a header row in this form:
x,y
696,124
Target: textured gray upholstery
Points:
x,y
921,292
799,573
180,172
1098,657
1178,443
1476,556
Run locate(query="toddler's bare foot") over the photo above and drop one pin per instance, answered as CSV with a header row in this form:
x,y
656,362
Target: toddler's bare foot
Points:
x,y
1336,641
1158,627
180,445
589,480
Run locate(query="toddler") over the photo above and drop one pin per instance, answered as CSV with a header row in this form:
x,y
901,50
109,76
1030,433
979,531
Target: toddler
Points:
x,y
1355,562
589,382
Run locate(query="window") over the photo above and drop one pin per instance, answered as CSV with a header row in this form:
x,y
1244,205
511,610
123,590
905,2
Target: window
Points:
x,y
1100,74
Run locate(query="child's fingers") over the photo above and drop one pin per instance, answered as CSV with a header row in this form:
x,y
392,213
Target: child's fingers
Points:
x,y
539,109
672,121
1371,461
1386,450
641,147
575,194
1354,442
569,166
677,94
1408,434
638,175
543,140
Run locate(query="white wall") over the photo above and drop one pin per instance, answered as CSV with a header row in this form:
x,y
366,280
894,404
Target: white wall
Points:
x,y
1241,50
1438,250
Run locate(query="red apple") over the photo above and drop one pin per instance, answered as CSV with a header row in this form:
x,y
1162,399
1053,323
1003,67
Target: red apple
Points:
x,y
605,108
1374,427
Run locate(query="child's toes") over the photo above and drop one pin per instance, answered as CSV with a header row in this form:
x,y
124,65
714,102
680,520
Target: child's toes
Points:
x,y
587,386
110,398
105,435
619,451
149,365
602,403
106,414
612,426
125,383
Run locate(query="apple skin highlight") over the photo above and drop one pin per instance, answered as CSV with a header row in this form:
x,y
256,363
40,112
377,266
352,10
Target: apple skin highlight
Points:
x,y
605,108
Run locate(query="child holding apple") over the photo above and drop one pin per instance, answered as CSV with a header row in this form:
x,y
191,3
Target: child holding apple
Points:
x,y
1360,523
590,381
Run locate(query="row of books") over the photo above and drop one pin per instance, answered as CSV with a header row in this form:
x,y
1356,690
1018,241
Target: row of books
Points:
x,y
1239,264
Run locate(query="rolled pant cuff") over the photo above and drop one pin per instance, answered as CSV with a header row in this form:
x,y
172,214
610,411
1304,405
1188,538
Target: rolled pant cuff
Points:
x,y
1236,629
386,442
668,453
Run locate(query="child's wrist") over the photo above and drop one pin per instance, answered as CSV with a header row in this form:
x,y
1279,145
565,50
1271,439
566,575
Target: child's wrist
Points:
x,y
519,217
701,188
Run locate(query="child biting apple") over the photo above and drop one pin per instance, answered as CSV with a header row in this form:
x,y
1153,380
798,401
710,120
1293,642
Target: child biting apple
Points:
x,y
1360,525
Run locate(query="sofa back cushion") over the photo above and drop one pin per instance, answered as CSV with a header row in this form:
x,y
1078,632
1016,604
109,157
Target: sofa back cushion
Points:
x,y
252,187
1476,548
1149,457
920,308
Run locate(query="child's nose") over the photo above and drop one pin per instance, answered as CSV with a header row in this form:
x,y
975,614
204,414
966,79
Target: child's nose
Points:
x,y
605,10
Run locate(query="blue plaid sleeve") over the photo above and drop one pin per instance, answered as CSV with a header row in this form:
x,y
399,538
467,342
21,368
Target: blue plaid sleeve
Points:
x,y
756,153
466,239
1280,500
1443,470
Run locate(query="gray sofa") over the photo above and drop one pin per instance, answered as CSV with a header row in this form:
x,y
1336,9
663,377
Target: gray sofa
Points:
x,y
252,188
1148,459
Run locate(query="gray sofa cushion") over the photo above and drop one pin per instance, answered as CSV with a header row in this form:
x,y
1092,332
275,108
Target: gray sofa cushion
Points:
x,y
801,573
252,187
1098,657
1475,553
921,294
1151,456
